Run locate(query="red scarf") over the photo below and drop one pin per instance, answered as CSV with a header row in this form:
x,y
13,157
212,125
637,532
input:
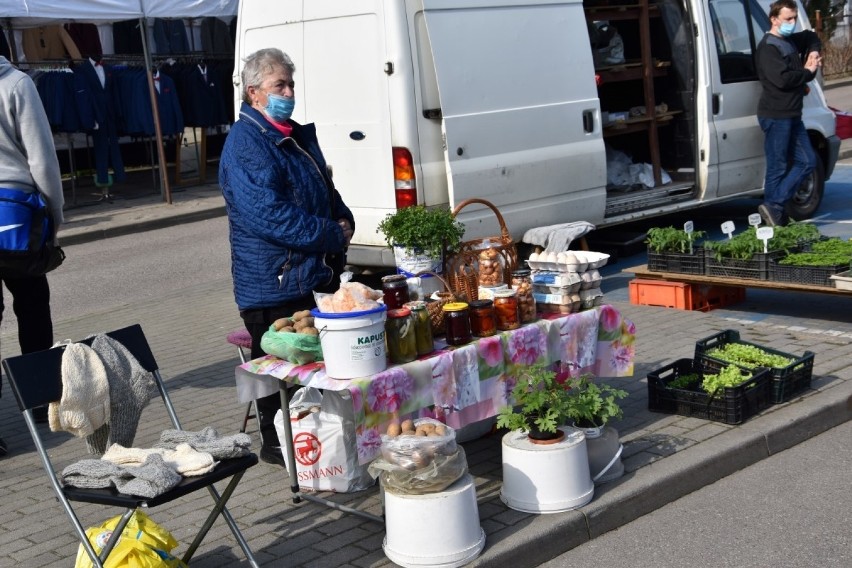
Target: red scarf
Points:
x,y
286,129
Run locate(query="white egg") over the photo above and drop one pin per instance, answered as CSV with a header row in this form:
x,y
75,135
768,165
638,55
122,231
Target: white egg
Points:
x,y
552,257
560,257
534,256
571,258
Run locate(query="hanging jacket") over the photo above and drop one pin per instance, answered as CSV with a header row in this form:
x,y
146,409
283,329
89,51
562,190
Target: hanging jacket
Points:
x,y
282,211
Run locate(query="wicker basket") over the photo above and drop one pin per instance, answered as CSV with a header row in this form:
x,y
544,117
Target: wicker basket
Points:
x,y
461,267
434,307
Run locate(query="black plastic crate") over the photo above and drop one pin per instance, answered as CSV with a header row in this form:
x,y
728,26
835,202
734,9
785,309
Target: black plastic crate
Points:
x,y
813,275
786,381
731,405
680,263
756,268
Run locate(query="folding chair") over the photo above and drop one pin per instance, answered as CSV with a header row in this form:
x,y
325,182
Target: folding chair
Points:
x,y
36,380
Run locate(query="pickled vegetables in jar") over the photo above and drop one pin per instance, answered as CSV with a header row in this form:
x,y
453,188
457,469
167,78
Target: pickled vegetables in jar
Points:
x,y
401,336
490,268
506,310
522,285
422,327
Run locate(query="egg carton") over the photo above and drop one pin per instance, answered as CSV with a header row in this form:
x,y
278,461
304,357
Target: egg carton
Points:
x,y
594,259
559,299
555,278
591,298
567,261
559,290
590,279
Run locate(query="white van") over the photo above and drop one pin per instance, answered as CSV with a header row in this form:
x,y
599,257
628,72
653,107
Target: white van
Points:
x,y
438,101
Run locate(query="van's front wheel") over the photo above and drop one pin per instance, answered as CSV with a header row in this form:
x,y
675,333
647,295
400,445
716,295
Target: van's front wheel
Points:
x,y
808,197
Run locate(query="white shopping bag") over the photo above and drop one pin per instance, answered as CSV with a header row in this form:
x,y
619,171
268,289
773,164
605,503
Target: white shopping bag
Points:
x,y
324,441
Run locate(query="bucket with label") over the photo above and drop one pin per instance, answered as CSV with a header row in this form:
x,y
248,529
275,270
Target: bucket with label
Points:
x,y
353,343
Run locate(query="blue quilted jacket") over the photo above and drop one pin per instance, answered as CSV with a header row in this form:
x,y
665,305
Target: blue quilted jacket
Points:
x,y
282,210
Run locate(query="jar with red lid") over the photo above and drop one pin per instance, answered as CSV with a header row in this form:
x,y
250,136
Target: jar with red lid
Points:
x,y
522,285
506,310
401,336
395,291
457,323
482,322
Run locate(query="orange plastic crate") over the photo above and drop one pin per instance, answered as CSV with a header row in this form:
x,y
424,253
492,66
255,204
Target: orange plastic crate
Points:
x,y
683,296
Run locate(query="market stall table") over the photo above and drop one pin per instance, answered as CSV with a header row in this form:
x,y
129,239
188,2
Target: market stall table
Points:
x,y
459,386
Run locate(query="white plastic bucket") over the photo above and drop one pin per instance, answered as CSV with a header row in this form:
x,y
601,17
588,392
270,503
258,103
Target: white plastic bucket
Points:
x,y
353,343
546,478
449,534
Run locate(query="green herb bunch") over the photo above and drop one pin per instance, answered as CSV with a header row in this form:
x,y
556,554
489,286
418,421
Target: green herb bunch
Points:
x,y
730,376
683,381
670,239
592,403
424,229
830,252
749,356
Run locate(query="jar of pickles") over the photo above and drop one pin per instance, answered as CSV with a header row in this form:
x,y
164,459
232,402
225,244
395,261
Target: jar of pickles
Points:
x,y
522,285
490,268
422,326
457,323
395,291
401,336
482,322
506,310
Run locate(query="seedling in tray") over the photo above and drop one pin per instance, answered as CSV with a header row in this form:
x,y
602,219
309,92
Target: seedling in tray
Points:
x,y
748,356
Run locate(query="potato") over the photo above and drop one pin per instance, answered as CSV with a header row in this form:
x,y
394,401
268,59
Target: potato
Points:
x,y
394,430
310,331
408,426
281,322
427,427
440,430
420,433
301,315
287,329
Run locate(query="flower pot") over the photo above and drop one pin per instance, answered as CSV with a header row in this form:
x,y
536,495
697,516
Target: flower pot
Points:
x,y
546,478
537,436
410,262
604,450
454,538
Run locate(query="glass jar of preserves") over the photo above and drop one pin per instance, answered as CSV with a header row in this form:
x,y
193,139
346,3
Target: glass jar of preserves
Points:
x,y
457,323
490,268
401,338
506,310
482,322
395,291
522,285
422,326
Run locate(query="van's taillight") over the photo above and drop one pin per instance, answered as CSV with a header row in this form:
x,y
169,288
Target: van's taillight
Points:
x,y
403,178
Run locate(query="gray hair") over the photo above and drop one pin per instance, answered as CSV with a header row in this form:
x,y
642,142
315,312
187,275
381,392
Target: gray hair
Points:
x,y
259,64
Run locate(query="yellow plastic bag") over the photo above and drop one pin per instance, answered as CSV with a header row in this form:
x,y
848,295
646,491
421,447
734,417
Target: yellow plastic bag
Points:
x,y
143,544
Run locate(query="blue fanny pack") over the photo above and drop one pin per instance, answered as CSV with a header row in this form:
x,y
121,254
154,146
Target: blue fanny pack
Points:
x,y
26,235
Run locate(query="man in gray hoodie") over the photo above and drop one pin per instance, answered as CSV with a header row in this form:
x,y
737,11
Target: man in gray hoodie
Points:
x,y
28,162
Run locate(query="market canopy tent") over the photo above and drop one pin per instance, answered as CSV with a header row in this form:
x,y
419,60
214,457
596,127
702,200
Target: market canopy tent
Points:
x,y
33,13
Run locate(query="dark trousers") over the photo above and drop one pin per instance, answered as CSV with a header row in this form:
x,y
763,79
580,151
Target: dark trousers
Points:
x,y
31,304
107,153
257,323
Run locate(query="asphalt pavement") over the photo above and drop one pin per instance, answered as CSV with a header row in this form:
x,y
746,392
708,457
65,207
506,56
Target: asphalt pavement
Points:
x,y
665,456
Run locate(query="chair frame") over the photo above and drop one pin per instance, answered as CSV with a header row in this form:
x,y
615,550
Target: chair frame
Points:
x,y
36,380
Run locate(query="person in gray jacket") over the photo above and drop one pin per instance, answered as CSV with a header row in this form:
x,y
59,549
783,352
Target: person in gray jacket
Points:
x,y
289,227
28,162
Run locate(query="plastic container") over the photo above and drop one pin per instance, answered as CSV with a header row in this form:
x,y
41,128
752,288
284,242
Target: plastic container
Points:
x,y
353,343
422,327
507,310
457,323
401,336
454,538
395,291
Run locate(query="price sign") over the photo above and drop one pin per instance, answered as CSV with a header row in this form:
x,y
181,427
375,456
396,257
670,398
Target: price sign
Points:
x,y
728,228
688,229
764,234
755,219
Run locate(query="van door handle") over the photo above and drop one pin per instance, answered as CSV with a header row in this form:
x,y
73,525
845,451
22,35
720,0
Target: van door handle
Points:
x,y
589,121
716,102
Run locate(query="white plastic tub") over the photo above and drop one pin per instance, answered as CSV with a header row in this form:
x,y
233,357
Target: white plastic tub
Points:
x,y
353,343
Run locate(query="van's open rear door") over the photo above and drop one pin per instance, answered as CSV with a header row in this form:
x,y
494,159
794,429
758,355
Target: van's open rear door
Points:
x,y
520,111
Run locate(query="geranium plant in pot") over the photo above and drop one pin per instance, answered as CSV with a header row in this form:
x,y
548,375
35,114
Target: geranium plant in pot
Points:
x,y
542,404
419,235
592,405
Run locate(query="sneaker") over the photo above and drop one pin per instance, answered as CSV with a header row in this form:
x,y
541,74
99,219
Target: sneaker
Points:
x,y
3,449
768,217
273,455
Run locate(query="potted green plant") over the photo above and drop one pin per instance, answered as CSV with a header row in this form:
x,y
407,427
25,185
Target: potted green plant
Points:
x,y
592,405
419,235
542,405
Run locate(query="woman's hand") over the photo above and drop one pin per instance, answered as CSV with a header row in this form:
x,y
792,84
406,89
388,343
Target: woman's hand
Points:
x,y
347,229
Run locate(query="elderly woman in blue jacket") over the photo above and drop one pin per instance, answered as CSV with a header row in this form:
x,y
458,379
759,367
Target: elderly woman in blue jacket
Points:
x,y
289,227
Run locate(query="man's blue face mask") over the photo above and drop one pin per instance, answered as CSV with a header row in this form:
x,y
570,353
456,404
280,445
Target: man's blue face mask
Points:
x,y
786,29
279,108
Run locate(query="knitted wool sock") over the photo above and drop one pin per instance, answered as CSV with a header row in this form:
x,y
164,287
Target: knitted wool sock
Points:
x,y
209,441
154,477
90,474
189,462
85,405
131,387
128,457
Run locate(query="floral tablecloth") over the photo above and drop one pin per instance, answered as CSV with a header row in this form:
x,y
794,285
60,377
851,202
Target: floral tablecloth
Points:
x,y
462,385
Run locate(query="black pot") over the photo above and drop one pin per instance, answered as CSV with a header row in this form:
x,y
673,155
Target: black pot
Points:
x,y
539,435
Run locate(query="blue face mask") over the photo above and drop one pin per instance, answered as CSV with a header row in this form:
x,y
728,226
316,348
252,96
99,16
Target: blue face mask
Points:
x,y
786,29
279,108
